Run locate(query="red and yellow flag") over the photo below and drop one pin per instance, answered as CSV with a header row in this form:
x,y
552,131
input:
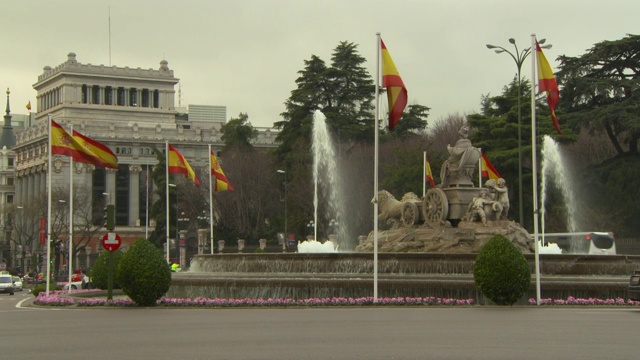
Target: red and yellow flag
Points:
x,y
396,91
29,105
179,165
81,148
102,155
488,171
221,183
547,82
428,176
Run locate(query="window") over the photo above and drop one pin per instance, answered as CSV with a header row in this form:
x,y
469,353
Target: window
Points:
x,y
85,92
120,96
10,162
108,95
133,97
156,99
10,181
95,94
9,198
145,97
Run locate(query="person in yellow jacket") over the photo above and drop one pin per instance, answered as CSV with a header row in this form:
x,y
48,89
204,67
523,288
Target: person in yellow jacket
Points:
x,y
175,267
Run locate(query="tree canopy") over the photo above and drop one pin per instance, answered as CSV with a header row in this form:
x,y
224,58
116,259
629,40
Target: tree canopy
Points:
x,y
601,91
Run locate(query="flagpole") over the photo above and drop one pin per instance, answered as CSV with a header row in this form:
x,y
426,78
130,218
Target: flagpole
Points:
x,y
166,185
210,201
375,173
146,205
70,252
49,210
480,169
534,167
424,173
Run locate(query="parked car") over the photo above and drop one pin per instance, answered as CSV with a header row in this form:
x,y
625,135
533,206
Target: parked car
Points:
x,y
634,286
17,283
6,284
84,283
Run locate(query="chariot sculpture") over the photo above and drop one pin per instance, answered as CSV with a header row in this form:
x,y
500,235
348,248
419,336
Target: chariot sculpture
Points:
x,y
451,201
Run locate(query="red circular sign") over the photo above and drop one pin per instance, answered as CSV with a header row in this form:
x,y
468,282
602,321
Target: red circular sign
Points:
x,y
111,241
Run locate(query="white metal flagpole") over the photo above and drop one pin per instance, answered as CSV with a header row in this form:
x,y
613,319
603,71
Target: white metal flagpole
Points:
x,y
211,187
49,210
146,205
424,173
480,169
70,232
166,185
534,163
375,173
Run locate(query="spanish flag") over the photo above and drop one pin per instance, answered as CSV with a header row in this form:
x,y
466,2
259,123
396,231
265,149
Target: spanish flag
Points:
x,y
547,82
81,148
178,164
396,91
221,183
488,171
428,174
29,105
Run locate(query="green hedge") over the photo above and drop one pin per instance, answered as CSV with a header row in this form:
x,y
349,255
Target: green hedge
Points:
x,y
99,273
143,273
501,272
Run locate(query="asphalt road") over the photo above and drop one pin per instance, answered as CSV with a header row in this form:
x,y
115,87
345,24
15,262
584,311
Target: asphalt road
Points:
x,y
478,332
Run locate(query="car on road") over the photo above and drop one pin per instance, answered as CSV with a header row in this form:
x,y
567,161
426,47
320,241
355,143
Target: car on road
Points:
x,y
17,283
76,283
634,286
6,284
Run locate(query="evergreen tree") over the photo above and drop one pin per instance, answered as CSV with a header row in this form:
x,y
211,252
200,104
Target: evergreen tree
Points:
x,y
601,91
158,210
238,132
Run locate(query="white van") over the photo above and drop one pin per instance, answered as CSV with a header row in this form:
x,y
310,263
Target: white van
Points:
x,y
6,284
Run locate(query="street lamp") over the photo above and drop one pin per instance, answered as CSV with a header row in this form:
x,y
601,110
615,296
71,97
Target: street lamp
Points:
x,y
286,235
108,195
519,57
333,226
310,228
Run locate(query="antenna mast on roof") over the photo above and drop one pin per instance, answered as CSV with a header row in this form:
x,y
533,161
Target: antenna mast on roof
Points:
x,y
109,35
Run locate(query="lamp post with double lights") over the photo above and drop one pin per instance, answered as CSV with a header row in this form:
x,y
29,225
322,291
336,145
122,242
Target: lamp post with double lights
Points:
x,y
518,56
203,244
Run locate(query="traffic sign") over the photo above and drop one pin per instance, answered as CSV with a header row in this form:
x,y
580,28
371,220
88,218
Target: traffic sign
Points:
x,y
111,241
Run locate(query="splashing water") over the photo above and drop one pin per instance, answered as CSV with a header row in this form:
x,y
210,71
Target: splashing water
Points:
x,y
325,176
313,246
554,170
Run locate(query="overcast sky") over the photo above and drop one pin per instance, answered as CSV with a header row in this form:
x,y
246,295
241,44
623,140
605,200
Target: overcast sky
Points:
x,y
245,54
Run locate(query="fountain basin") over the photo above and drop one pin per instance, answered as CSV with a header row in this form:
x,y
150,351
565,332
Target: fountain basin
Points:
x,y
322,275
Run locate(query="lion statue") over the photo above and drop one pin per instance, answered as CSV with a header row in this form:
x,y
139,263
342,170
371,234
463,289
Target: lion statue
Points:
x,y
391,209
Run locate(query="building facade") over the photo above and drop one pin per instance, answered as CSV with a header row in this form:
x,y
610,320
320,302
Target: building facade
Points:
x,y
131,111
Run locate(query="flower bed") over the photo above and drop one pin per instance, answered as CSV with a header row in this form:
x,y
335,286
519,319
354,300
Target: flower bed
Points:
x,y
56,298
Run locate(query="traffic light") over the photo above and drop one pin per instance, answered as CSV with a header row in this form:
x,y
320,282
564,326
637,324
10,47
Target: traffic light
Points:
x,y
110,217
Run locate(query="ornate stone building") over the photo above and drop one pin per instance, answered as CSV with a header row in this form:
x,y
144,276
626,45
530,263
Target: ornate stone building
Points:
x,y
129,110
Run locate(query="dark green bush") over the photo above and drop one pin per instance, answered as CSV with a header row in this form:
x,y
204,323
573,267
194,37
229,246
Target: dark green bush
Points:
x,y
100,273
143,273
501,272
43,287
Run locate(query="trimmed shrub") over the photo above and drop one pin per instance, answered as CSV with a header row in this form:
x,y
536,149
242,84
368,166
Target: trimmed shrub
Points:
x,y
143,273
100,271
43,288
501,272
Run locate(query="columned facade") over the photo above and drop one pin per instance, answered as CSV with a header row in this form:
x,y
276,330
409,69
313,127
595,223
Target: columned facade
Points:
x,y
129,110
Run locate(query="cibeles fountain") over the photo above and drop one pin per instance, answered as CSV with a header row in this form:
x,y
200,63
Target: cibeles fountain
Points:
x,y
428,249
453,217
